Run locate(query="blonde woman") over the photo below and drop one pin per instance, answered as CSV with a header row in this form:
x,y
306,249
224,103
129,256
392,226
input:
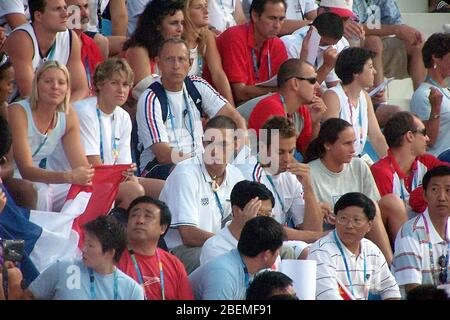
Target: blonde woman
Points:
x,y
38,125
203,47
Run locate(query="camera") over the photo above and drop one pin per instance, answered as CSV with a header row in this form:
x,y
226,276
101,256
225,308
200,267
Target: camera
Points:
x,y
12,250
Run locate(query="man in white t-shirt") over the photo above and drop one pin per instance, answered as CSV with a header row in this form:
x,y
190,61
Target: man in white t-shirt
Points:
x,y
170,132
331,29
289,181
248,200
13,13
198,190
224,14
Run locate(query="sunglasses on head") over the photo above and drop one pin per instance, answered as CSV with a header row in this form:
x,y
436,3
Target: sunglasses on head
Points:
x,y
311,80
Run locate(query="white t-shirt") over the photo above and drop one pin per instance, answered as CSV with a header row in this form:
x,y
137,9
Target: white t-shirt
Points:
x,y
330,266
285,186
135,9
355,177
411,262
221,13
93,7
176,130
119,120
12,6
293,44
220,243
420,104
188,194
296,9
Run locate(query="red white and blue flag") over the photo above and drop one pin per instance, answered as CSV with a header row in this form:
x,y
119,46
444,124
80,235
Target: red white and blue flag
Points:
x,y
51,236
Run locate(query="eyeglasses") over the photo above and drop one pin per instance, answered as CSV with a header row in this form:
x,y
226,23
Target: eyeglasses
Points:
x,y
421,131
442,262
180,60
356,222
312,80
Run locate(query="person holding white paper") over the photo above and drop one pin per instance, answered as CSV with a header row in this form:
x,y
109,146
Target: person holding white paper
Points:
x,y
345,256
330,30
350,101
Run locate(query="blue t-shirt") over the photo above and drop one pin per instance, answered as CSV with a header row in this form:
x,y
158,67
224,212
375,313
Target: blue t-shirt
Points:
x,y
69,280
420,104
222,278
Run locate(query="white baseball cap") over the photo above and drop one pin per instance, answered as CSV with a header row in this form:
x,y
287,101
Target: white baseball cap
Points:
x,y
342,8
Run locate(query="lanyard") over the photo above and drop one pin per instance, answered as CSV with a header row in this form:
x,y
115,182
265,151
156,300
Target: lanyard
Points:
x,y
88,73
92,285
360,125
301,10
140,277
430,248
256,64
199,64
441,89
50,54
187,111
115,148
338,243
99,15
283,102
246,274
216,196
46,134
283,208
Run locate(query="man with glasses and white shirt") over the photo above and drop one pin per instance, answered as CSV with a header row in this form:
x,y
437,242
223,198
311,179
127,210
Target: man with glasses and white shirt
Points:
x,y
422,246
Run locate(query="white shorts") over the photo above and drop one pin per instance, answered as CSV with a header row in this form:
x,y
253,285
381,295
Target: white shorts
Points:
x,y
51,197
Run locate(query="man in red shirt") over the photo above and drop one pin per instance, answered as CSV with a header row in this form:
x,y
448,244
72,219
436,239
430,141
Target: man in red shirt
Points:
x,y
296,87
91,55
161,274
252,53
399,174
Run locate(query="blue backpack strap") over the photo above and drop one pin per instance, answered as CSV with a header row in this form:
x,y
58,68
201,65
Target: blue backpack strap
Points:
x,y
158,89
194,94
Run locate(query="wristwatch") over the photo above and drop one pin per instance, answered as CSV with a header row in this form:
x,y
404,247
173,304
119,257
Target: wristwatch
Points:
x,y
435,116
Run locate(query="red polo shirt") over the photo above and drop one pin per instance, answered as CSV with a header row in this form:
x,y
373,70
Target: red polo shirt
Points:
x,y
236,45
272,106
390,178
91,57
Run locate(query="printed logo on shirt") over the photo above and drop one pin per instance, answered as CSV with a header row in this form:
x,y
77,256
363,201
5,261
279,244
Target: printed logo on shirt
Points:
x,y
148,281
205,201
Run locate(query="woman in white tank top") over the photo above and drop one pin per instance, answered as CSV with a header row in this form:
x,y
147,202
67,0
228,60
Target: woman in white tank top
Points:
x,y
350,101
40,123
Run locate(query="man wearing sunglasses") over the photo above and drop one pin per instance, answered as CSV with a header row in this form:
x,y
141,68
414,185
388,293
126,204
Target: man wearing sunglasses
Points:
x,y
422,246
297,82
399,175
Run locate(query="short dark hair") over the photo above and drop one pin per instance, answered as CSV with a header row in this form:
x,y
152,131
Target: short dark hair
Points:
x,y
260,234
329,132
290,68
356,199
438,44
221,122
245,190
351,61
438,171
36,5
397,126
284,126
329,25
173,41
110,233
427,292
6,137
263,285
260,5
165,217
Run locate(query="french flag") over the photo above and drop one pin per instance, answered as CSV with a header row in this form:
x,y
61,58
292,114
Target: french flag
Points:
x,y
51,236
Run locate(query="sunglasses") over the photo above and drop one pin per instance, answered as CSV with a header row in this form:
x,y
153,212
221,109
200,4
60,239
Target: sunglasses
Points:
x,y
312,80
442,262
422,131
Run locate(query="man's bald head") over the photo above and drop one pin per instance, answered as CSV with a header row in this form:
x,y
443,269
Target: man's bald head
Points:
x,y
292,68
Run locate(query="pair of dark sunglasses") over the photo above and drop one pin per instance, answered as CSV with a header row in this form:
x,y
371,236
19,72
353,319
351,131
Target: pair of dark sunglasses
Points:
x,y
442,262
312,80
422,132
